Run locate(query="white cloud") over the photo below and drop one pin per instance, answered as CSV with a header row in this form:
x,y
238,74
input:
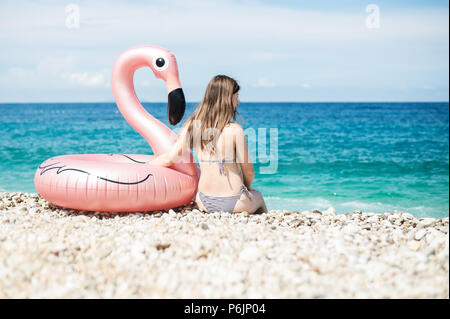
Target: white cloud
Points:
x,y
21,73
52,69
96,79
306,85
48,68
54,64
263,82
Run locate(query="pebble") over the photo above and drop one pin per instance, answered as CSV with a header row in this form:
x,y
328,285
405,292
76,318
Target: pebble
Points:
x,y
420,234
373,219
250,254
426,222
407,216
414,245
204,226
330,212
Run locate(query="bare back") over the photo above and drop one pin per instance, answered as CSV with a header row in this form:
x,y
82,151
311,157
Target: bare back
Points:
x,y
212,180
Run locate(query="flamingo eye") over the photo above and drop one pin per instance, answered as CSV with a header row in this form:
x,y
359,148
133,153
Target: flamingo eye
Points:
x,y
160,64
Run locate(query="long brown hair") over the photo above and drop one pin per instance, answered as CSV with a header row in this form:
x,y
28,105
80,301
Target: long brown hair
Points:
x,y
214,112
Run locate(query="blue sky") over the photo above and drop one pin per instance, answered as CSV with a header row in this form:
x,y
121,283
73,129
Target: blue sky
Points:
x,y
277,50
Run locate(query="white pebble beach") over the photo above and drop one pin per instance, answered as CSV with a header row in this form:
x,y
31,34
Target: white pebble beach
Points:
x,y
52,252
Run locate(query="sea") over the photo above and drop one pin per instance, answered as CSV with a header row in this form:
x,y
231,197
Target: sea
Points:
x,y
372,157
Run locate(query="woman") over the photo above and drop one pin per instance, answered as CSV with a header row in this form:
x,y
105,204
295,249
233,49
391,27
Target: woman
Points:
x,y
226,168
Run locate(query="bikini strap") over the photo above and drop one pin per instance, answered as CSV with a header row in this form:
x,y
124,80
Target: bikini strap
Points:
x,y
221,167
221,163
245,190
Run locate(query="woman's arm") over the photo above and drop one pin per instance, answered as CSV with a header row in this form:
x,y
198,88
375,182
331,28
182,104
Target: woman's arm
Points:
x,y
169,158
243,157
162,160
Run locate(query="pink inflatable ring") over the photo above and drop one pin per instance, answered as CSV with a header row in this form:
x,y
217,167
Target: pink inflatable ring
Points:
x,y
124,182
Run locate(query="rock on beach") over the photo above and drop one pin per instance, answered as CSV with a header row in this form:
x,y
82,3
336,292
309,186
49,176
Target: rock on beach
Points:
x,y
52,252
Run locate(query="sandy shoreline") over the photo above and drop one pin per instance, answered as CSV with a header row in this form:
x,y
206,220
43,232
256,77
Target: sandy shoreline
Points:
x,y
50,252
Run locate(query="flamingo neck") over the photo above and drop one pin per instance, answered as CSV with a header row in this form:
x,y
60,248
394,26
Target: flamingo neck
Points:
x,y
158,135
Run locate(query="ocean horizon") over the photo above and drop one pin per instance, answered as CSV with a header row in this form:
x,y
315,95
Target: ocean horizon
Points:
x,y
370,156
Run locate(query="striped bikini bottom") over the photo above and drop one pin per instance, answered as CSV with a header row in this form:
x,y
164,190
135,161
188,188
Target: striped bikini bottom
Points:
x,y
224,204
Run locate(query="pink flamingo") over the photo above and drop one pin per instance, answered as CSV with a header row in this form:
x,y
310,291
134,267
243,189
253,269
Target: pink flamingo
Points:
x,y
124,182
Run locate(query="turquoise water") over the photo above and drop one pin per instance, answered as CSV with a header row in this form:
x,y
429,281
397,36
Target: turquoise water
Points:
x,y
374,157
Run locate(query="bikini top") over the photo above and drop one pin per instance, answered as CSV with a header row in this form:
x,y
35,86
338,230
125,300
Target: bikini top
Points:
x,y
221,162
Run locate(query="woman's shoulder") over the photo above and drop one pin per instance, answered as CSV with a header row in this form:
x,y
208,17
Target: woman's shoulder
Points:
x,y
233,128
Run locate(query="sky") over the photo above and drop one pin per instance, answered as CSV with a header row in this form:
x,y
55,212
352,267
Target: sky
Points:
x,y
305,51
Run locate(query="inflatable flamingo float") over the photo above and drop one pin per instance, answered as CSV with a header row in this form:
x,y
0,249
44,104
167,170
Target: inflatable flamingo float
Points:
x,y
124,182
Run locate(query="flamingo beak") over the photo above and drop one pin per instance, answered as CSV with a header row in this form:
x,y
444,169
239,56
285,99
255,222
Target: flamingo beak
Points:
x,y
176,106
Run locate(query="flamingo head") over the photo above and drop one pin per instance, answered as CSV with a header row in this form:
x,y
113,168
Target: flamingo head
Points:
x,y
164,66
